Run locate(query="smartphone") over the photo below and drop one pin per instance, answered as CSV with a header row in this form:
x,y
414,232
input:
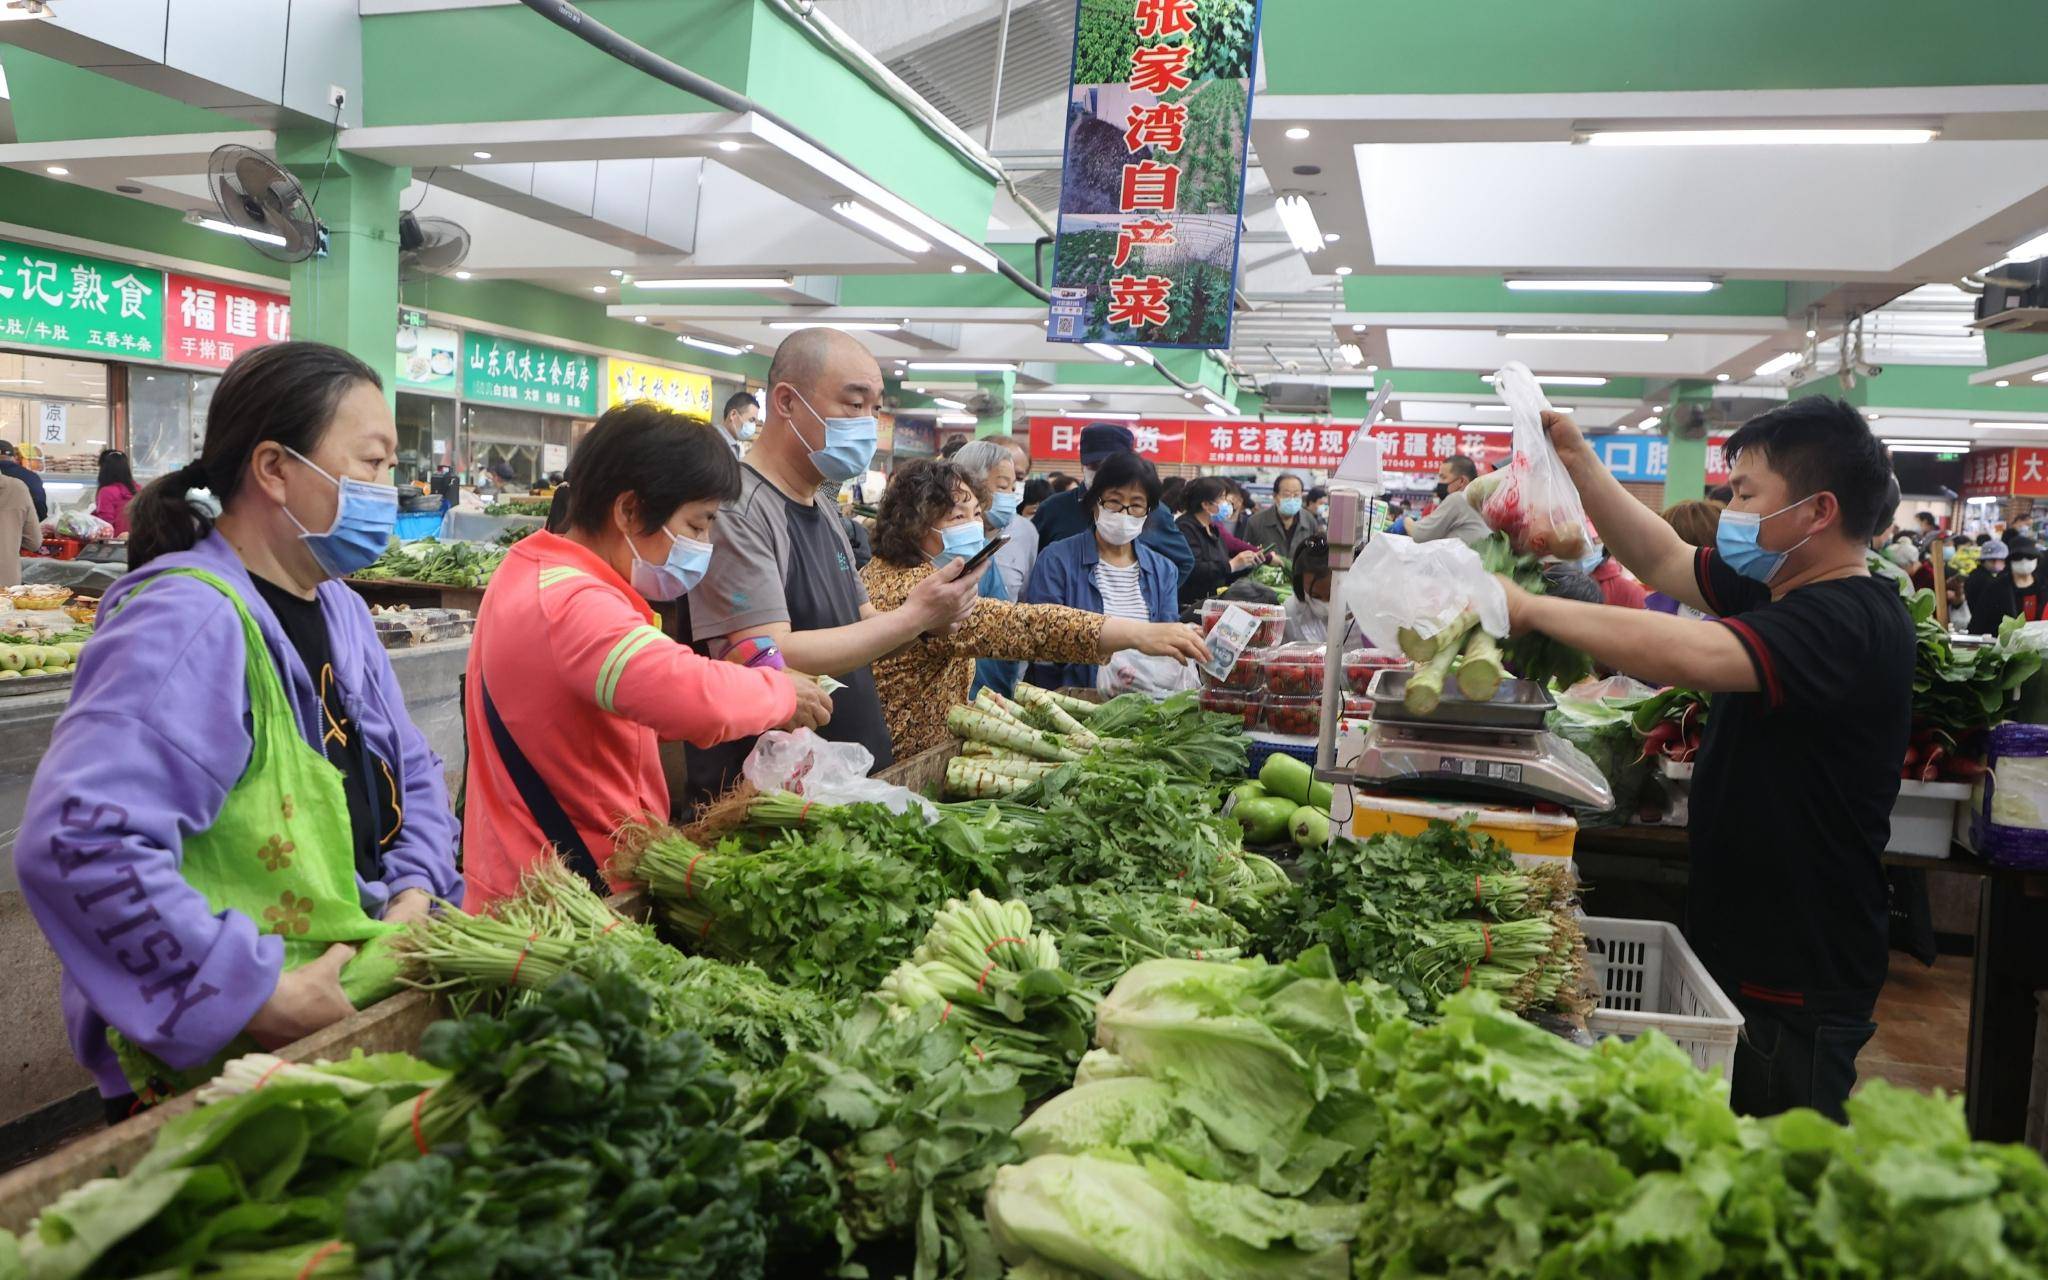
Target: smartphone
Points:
x,y
980,557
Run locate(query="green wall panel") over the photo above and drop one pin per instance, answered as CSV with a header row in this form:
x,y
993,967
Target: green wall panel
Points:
x,y
55,102
1587,46
513,305
69,209
1927,386
1487,294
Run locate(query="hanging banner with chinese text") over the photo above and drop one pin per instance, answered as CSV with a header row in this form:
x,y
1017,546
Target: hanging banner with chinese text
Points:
x,y
210,323
1639,459
526,375
2006,473
49,298
628,380
1152,187
1246,445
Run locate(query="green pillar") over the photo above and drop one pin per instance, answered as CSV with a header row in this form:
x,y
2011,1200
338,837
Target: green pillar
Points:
x,y
1685,461
349,298
1001,388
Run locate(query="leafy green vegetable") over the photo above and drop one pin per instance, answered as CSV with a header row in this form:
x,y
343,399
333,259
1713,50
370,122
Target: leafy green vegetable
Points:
x,y
1103,1216
1534,656
1958,690
1103,931
451,564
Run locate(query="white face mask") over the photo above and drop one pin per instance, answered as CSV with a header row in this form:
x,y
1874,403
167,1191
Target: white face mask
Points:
x,y
1117,528
1317,609
2024,567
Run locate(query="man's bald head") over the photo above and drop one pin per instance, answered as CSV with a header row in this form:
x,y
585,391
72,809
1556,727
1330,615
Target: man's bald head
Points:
x,y
822,359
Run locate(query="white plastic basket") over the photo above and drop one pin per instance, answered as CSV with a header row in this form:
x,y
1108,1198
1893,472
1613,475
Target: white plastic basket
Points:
x,y
1651,978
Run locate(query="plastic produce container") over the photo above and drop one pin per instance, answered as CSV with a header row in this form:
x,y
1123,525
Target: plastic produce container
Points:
x,y
1243,703
1924,819
1292,717
1534,837
1272,620
1651,978
1296,670
1249,673
1361,664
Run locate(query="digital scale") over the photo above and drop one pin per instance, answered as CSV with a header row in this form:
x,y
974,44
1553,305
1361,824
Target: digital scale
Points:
x,y
1496,750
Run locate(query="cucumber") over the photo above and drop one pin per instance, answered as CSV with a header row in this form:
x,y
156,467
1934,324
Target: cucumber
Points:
x,y
1265,821
1310,827
1283,775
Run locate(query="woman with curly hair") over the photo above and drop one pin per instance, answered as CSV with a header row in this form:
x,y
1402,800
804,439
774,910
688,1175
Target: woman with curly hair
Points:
x,y
930,516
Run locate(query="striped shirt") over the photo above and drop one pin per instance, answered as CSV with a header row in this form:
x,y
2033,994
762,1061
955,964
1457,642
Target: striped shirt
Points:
x,y
1123,596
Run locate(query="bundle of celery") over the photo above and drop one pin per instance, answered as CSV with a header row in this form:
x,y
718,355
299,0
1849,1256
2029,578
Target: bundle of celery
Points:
x,y
1435,914
983,963
1463,649
1103,931
1011,745
556,924
821,906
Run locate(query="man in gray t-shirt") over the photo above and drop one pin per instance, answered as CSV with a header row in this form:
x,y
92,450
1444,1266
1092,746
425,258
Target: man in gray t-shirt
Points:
x,y
1453,517
782,571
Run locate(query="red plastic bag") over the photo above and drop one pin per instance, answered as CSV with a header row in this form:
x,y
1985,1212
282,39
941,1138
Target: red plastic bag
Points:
x,y
1532,499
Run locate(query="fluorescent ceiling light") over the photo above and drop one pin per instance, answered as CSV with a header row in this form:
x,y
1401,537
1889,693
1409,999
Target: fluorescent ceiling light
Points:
x,y
1777,364
958,419
597,288
1297,134
1331,237
895,233
1924,442
1652,422
1352,355
959,269
1480,428
706,344
1583,335
1722,377
1555,379
1928,448
736,282
1525,284
1115,413
56,171
1343,271
2010,426
728,146
960,366
1300,223
1106,351
943,402
1765,137
850,326
639,319
1053,397
462,275
1219,410
481,155
199,219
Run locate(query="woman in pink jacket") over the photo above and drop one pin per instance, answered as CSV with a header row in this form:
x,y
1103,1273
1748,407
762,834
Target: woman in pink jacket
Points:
x,y
117,489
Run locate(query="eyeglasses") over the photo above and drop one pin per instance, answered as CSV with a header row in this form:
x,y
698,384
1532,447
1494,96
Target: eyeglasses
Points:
x,y
1128,509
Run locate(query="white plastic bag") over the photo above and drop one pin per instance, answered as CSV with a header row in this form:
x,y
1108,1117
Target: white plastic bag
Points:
x,y
1129,671
1532,500
1399,583
804,764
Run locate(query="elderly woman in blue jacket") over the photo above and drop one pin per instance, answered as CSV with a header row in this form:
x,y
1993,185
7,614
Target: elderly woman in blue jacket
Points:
x,y
1106,571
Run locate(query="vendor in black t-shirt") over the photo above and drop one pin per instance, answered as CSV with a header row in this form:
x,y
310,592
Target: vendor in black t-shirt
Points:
x,y
1811,668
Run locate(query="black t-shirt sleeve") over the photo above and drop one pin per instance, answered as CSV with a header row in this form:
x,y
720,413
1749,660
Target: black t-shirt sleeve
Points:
x,y
1725,591
1810,649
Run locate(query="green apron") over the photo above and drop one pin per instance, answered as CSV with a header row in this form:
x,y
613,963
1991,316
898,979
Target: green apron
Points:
x,y
280,852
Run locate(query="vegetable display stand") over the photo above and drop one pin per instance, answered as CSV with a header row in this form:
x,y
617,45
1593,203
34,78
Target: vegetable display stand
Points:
x,y
1651,978
418,595
1535,838
1924,819
389,1026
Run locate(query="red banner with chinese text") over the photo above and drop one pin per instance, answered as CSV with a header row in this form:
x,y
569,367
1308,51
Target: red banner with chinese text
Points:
x,y
209,323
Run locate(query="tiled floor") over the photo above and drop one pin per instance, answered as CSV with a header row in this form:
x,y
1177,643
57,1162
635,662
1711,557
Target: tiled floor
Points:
x,y
1923,1025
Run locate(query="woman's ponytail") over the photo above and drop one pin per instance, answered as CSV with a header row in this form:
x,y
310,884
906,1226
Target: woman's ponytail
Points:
x,y
172,513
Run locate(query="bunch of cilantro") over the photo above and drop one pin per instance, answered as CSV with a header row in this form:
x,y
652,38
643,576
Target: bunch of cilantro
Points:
x,y
585,1144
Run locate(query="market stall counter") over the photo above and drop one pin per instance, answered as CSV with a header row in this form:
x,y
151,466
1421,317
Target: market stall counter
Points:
x,y
2010,965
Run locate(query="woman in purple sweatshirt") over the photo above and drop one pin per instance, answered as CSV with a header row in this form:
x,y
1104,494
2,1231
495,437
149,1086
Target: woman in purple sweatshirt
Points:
x,y
235,800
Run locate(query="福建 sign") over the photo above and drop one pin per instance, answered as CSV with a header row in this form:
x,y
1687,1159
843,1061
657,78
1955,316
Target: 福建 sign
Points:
x,y
210,323
1152,187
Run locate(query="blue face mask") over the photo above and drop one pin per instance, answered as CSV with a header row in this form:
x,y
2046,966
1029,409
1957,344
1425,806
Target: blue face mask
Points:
x,y
1735,539
1003,508
1289,507
960,541
688,559
1226,511
849,444
364,516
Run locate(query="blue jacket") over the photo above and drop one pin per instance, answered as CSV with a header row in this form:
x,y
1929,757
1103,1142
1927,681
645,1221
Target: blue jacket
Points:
x,y
1062,516
34,483
1065,574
